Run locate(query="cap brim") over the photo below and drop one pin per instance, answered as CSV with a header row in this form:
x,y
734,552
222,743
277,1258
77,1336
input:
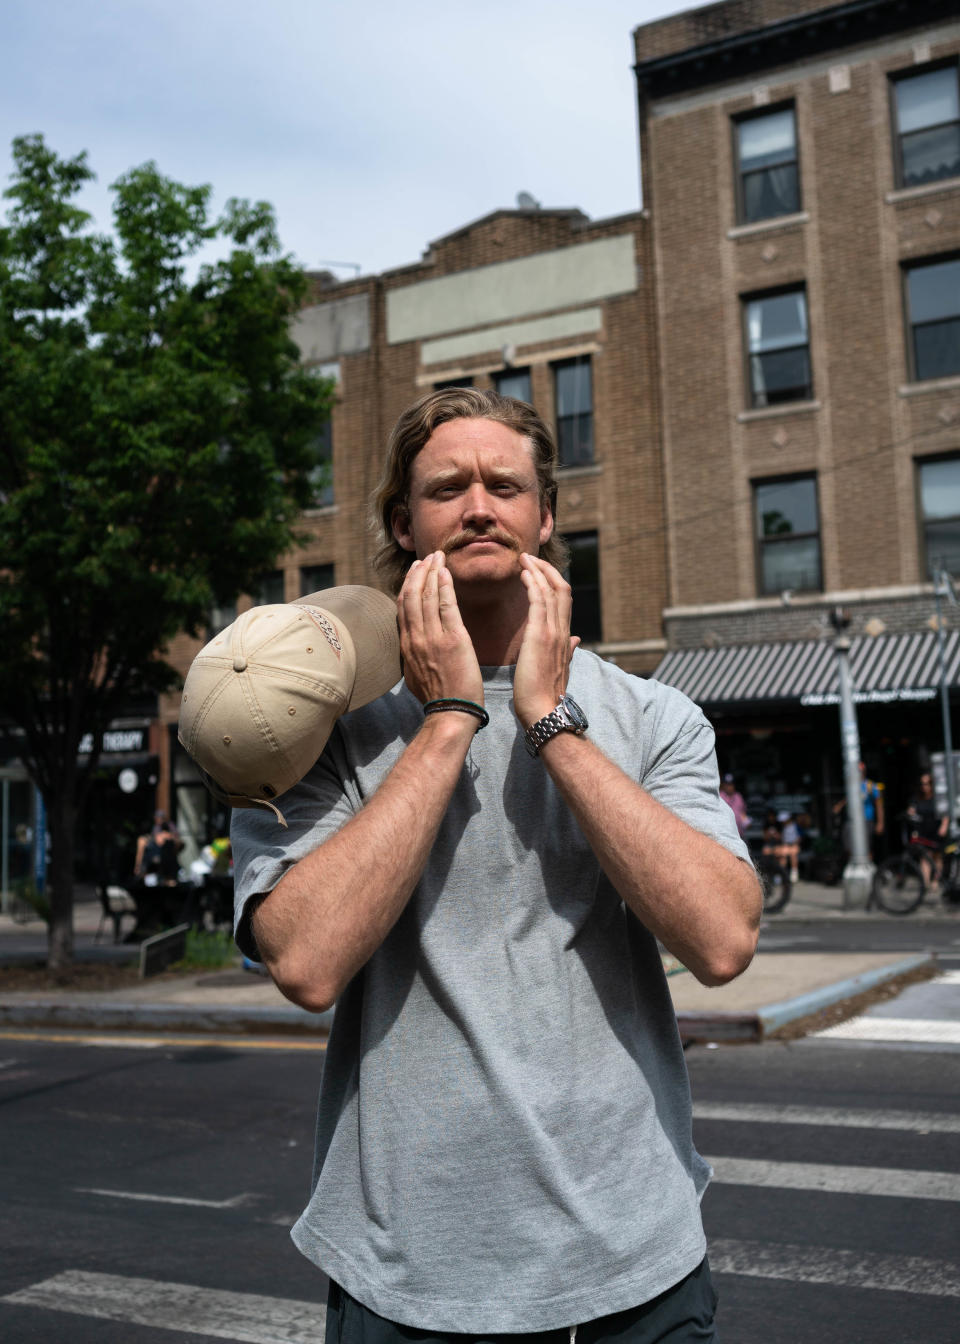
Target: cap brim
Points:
x,y
370,617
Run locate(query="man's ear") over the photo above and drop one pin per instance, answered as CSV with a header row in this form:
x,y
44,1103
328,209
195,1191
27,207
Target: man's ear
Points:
x,y
546,523
400,527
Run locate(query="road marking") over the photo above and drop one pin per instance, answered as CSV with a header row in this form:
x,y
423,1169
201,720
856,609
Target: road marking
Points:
x,y
948,978
918,1030
836,1180
917,1122
248,1317
158,1042
830,1265
235,1203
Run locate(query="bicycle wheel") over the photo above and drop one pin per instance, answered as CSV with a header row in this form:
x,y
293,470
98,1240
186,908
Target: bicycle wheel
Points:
x,y
898,885
776,888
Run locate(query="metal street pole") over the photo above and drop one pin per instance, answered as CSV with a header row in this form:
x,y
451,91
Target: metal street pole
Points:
x,y
858,874
941,577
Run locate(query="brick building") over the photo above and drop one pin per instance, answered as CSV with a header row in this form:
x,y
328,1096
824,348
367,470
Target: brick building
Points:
x,y
542,304
801,170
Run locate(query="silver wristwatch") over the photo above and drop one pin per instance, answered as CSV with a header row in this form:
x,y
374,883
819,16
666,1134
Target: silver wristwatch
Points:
x,y
568,717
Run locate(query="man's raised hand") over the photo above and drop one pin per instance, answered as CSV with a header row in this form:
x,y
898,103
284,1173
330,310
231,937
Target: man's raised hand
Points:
x,y
543,665
438,655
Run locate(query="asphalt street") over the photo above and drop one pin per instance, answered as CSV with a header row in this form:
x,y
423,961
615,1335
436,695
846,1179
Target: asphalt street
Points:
x,y
149,1189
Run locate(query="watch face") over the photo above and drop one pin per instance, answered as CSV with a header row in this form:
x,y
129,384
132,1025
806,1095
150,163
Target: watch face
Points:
x,y
576,714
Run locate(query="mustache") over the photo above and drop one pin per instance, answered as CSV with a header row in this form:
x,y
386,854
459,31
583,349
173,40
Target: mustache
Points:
x,y
465,537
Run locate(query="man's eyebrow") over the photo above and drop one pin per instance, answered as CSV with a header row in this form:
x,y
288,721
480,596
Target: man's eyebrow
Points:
x,y
442,475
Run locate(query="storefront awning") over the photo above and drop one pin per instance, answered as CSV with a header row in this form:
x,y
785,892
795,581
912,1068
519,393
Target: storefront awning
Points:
x,y
885,669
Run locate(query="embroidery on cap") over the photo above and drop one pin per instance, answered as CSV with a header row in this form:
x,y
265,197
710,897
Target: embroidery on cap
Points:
x,y
327,627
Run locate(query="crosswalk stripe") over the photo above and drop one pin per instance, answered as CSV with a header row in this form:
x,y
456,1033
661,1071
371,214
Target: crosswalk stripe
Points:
x,y
836,1180
917,1122
247,1317
235,1202
917,1030
837,1267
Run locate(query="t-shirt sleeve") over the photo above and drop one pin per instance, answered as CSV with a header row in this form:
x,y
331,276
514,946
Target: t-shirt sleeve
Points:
x,y
263,849
681,773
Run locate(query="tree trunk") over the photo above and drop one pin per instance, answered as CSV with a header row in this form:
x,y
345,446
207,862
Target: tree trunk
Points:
x,y
61,819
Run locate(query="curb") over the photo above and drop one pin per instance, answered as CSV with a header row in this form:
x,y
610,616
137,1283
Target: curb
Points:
x,y
187,1017
755,1025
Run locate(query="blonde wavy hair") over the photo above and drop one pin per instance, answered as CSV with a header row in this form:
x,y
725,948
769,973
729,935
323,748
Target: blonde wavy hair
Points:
x,y
411,433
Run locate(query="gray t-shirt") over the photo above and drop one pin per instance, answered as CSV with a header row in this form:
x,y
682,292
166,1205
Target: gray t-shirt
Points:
x,y
504,1130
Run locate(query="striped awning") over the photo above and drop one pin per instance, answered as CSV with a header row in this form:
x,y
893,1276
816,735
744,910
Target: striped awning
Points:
x,y
884,668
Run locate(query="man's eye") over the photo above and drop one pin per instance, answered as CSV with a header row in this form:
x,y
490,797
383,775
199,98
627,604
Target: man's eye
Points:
x,y
506,488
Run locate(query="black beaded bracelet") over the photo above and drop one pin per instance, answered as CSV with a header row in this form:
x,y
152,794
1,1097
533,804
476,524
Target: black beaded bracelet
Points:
x,y
467,706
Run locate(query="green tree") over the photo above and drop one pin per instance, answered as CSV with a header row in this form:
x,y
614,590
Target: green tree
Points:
x,y
155,449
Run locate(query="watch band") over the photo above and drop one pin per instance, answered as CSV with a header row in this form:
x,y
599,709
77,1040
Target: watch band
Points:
x,y
568,717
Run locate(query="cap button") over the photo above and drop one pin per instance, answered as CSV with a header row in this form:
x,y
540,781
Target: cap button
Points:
x,y
239,664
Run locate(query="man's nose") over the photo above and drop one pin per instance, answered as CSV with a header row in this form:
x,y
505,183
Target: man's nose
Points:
x,y
477,503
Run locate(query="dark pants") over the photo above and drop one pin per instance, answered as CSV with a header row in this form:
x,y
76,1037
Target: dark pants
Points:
x,y
682,1315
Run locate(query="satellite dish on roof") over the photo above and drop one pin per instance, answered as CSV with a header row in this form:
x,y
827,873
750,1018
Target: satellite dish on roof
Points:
x,y
526,202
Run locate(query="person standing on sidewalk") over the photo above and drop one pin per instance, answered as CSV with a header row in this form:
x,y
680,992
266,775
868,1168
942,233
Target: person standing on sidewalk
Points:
x,y
477,871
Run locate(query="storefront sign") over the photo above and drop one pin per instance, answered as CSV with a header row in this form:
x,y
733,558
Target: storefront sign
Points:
x,y
902,695
115,740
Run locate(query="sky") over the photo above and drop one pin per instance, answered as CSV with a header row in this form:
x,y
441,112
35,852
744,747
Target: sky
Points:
x,y
373,127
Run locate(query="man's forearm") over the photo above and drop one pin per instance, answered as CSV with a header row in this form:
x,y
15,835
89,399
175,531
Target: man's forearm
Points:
x,y
700,900
333,909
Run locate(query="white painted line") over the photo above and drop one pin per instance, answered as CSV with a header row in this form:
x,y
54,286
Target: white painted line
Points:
x,y
247,1317
836,1180
235,1203
160,1041
845,1269
919,1030
916,1122
947,978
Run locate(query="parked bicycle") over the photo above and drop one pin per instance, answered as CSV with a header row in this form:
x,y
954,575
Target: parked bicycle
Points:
x,y
902,881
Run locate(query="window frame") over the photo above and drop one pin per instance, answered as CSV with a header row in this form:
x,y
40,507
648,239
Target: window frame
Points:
x,y
756,114
762,544
756,297
906,269
572,362
894,78
514,373
919,463
302,569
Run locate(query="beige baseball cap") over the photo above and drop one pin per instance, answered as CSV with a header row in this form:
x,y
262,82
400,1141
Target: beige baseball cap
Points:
x,y
261,699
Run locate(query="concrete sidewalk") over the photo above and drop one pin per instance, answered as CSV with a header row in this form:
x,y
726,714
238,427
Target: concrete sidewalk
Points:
x,y
778,988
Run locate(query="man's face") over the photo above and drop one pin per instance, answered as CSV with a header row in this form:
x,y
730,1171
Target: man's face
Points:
x,y
473,495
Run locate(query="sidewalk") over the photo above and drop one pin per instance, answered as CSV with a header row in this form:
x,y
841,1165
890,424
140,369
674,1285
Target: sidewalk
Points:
x,y
779,987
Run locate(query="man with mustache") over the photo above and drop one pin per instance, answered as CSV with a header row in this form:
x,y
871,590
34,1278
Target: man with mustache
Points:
x,y
477,872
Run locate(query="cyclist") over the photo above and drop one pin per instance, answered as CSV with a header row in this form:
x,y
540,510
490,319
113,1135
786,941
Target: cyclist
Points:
x,y
927,829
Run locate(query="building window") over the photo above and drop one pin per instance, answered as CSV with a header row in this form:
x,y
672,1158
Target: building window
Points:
x,y
583,575
314,578
926,120
269,588
221,615
514,383
453,382
933,317
574,401
940,514
320,475
768,177
788,535
778,348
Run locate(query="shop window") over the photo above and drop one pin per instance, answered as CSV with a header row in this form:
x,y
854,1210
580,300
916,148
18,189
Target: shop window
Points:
x,y
514,383
926,123
768,176
583,575
269,588
778,348
574,405
314,578
933,319
939,490
788,535
320,474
